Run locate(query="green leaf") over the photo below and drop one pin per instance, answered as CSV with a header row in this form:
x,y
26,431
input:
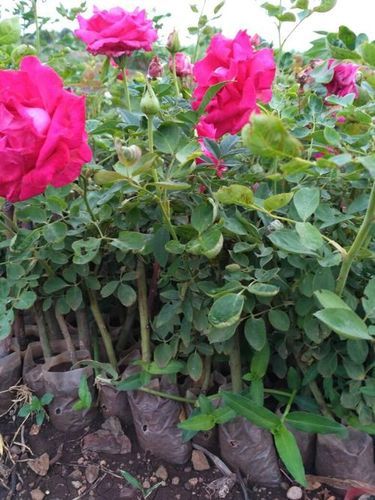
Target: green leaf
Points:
x,y
289,453
208,244
133,382
279,320
348,37
369,163
368,52
74,297
55,232
306,200
289,240
133,481
109,288
368,301
309,235
263,289
322,73
332,136
325,6
226,310
329,300
84,394
175,247
255,333
202,216
46,399
235,194
287,17
266,136
259,362
168,138
246,408
25,300
277,201
210,94
317,424
54,284
344,322
131,241
85,250
173,367
126,295
221,334
163,354
200,422
194,366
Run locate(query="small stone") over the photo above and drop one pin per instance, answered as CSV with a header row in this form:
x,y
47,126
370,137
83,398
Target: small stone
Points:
x,y
19,487
103,463
75,475
15,450
40,465
334,498
34,430
153,479
92,473
128,493
193,481
146,484
77,484
81,490
161,473
199,461
80,460
295,493
176,481
37,494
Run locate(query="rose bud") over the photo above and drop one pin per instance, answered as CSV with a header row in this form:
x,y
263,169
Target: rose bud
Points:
x,y
155,69
173,42
183,64
149,103
127,155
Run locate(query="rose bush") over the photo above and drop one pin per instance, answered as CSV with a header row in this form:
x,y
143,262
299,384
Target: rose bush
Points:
x,y
42,131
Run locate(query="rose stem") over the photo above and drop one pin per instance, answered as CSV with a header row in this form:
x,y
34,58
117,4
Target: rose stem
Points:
x,y
143,312
235,364
357,244
66,335
43,337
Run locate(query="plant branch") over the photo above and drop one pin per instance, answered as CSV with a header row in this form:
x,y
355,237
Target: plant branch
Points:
x,y
143,312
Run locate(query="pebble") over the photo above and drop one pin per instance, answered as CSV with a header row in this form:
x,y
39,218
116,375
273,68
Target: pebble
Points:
x,y
146,484
80,460
161,473
295,493
199,461
176,481
193,481
76,474
37,494
77,484
153,479
92,473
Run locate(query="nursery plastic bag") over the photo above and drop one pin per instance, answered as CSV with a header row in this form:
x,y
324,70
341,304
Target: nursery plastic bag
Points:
x,y
10,373
249,448
114,403
64,386
155,420
349,458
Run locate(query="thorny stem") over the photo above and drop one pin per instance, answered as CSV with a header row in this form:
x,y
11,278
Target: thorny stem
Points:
x,y
143,312
360,241
175,79
102,328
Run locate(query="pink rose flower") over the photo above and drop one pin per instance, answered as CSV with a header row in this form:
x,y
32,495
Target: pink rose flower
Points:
x,y
252,72
343,81
210,159
42,131
116,32
183,64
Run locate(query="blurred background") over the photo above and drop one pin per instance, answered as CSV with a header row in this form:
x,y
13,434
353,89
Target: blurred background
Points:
x,y
358,15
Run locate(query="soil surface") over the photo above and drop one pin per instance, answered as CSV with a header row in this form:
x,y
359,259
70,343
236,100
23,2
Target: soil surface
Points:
x,y
72,474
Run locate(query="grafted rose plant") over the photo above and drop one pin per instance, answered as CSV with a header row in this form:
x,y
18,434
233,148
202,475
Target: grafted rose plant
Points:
x,y
116,32
42,131
344,79
250,74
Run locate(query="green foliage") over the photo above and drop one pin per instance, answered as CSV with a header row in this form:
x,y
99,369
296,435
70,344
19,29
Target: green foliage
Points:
x,y
36,408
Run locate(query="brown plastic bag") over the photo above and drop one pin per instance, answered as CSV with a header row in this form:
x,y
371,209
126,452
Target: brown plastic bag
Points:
x,y
114,403
10,373
155,420
349,458
32,372
306,442
64,387
249,448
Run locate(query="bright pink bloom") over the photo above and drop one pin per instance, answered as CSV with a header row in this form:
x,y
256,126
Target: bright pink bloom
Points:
x,y
155,68
252,72
183,64
116,32
42,131
329,150
343,81
217,163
